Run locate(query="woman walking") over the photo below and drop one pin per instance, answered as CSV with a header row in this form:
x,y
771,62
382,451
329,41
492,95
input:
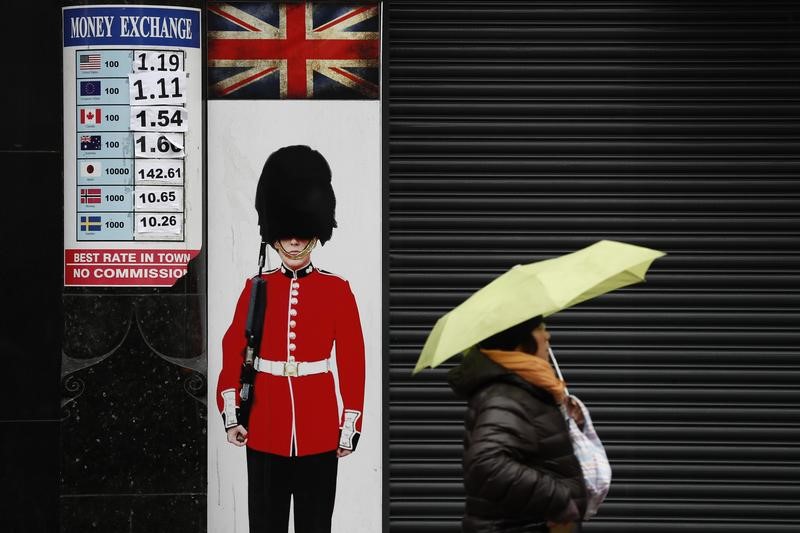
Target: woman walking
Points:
x,y
520,472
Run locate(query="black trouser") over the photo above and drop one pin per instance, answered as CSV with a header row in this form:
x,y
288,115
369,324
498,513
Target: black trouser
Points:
x,y
272,482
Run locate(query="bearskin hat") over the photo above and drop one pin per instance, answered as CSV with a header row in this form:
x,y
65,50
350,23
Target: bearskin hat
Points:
x,y
294,197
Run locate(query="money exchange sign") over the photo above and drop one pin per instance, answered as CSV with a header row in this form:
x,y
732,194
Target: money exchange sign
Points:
x,y
132,144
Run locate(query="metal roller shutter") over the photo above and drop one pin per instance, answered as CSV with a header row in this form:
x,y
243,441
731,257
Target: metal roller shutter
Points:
x,y
523,130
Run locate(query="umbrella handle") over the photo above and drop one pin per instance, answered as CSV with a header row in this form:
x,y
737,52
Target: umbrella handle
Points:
x,y
558,370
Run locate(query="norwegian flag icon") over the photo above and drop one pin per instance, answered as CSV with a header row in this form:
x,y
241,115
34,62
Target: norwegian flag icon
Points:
x,y
91,196
292,51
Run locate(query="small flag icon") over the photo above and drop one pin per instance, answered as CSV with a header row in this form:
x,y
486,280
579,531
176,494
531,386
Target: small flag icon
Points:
x,y
90,223
91,169
90,196
90,88
90,116
90,142
89,61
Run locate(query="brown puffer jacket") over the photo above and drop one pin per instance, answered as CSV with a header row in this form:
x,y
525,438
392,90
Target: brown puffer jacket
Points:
x,y
519,467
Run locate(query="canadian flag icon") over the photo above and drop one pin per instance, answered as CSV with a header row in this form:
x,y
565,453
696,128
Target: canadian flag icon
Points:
x,y
89,116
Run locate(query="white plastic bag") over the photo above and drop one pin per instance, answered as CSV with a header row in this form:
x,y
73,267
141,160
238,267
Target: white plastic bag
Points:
x,y
592,457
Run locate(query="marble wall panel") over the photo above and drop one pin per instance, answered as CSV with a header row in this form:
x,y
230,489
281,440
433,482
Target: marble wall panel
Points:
x,y
134,422
173,513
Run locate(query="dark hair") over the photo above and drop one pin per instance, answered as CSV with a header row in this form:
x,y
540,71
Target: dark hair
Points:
x,y
509,339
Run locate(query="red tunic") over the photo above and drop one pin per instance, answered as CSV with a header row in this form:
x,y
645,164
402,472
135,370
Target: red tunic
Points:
x,y
307,311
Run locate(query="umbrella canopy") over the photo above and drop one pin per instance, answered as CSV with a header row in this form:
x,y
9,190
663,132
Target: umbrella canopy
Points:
x,y
540,288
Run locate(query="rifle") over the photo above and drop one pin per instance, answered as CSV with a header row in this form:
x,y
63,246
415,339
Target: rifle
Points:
x,y
253,331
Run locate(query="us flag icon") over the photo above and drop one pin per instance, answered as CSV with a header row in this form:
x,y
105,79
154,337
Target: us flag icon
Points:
x,y
89,61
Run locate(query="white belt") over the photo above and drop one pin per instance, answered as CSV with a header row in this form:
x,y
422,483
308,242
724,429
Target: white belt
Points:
x,y
292,368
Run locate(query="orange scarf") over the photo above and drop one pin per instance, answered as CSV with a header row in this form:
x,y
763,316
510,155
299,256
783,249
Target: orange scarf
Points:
x,y
532,369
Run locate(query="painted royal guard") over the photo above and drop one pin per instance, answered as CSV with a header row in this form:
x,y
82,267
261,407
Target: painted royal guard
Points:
x,y
296,432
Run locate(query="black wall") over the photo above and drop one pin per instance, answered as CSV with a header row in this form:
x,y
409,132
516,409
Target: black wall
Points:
x,y
31,266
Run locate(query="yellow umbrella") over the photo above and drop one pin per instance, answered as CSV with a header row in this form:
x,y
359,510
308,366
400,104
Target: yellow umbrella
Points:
x,y
540,288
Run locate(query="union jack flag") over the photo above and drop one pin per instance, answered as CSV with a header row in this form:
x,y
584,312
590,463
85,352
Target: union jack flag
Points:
x,y
299,50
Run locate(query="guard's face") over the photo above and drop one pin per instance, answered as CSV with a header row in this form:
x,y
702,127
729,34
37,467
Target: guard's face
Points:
x,y
291,252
